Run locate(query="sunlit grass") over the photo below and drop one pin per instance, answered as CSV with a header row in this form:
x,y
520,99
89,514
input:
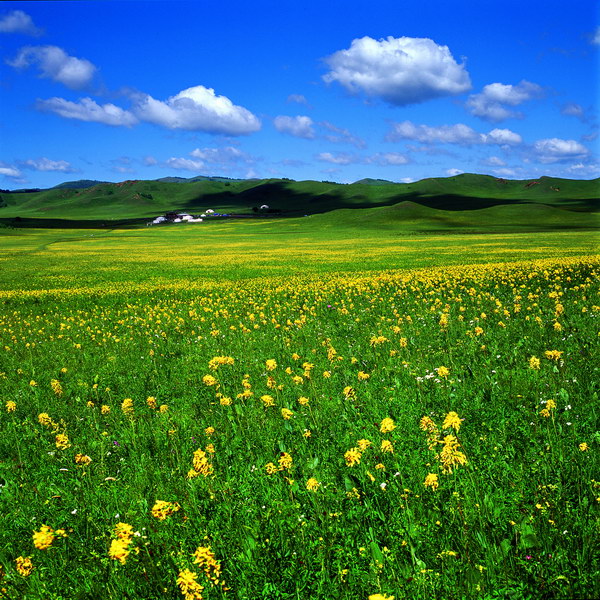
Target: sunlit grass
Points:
x,y
343,420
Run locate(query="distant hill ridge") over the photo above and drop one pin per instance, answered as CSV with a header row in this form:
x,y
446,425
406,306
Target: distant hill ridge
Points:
x,y
88,199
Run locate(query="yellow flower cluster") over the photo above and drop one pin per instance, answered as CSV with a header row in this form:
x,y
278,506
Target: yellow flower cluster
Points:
x,y
163,509
44,538
200,464
120,546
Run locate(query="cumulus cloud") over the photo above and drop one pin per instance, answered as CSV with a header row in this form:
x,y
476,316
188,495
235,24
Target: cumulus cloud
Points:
x,y
301,126
401,71
45,164
54,63
197,109
491,104
9,171
453,172
18,21
227,154
87,110
596,37
501,137
553,150
460,134
150,161
185,163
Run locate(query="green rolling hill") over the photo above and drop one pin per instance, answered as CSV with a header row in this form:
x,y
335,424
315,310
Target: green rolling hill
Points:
x,y
462,199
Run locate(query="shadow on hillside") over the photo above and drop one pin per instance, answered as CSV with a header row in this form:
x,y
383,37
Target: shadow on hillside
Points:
x,y
285,201
35,223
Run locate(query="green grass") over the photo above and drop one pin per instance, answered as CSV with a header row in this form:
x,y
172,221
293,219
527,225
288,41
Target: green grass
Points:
x,y
90,318
145,199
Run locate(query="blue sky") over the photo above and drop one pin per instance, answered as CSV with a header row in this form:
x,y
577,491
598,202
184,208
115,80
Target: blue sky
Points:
x,y
342,90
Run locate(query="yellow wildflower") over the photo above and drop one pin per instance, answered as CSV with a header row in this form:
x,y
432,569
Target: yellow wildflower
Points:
x,y
352,457
286,413
24,565
163,509
363,444
387,425
271,468
431,481
387,446
44,538
127,406
11,406
119,549
285,461
82,459
452,420
271,364
534,363
443,371
62,441
56,387
151,402
584,447
267,400
190,588
312,484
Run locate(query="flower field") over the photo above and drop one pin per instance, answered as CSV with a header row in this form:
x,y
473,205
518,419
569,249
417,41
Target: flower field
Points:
x,y
416,433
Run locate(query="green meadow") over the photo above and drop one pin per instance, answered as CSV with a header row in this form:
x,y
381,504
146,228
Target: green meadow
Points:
x,y
365,403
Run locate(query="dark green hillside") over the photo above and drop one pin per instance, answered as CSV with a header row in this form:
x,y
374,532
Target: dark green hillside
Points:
x,y
284,197
79,184
411,217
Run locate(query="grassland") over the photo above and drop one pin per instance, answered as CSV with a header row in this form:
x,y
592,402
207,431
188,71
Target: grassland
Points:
x,y
350,405
144,199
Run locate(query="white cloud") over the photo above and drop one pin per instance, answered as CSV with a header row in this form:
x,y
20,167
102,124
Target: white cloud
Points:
x,y
18,21
453,172
502,137
227,154
460,134
301,126
596,37
400,70
298,98
150,161
45,164
54,63
185,163
9,171
557,150
87,110
490,103
197,109
337,159
339,135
